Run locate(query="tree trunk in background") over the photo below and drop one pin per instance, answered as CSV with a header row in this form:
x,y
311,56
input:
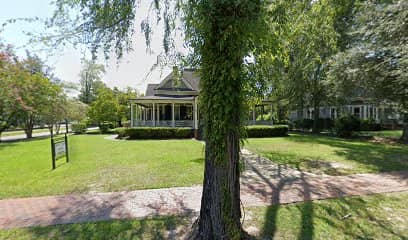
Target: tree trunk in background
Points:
x,y
316,99
316,116
29,125
404,136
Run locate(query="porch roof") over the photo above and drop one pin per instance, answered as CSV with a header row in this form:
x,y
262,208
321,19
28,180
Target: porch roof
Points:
x,y
161,99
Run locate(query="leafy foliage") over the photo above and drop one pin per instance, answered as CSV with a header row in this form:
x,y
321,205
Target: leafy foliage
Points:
x,y
346,125
376,63
90,79
78,128
266,131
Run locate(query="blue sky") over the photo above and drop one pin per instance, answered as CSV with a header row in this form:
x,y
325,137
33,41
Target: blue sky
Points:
x,y
67,63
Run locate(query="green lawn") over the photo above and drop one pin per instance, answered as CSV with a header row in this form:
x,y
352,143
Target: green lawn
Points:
x,y
98,164
372,217
381,216
329,155
385,134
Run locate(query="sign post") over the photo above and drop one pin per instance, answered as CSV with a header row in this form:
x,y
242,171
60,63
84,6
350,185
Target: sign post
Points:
x,y
59,148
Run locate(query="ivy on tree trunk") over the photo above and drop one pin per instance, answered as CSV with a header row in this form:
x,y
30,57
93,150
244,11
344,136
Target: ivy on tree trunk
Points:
x,y
224,28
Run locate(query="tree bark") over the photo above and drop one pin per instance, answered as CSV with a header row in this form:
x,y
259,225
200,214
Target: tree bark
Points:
x,y
404,137
29,126
316,116
316,100
220,205
224,28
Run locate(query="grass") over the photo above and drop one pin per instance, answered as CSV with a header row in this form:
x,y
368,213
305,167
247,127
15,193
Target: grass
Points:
x,y
372,217
98,164
396,134
333,156
158,228
380,216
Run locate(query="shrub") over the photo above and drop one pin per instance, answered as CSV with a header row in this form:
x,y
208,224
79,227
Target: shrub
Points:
x,y
154,133
266,131
303,123
325,123
126,124
78,128
105,127
370,125
346,125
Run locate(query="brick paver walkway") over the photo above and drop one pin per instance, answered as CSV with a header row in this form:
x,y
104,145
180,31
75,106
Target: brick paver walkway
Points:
x,y
263,183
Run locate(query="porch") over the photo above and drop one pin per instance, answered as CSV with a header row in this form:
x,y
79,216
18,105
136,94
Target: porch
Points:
x,y
160,111
261,114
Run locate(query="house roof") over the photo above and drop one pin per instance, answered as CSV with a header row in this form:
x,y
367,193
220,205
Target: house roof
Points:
x,y
190,78
193,78
150,89
163,98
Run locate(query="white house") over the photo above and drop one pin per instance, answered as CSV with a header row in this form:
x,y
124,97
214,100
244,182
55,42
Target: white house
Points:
x,y
174,103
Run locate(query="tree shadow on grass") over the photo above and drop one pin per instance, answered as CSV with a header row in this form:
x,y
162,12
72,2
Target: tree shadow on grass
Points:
x,y
381,157
310,219
151,228
277,184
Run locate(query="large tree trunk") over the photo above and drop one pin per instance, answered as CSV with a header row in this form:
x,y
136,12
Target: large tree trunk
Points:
x,y
220,205
224,29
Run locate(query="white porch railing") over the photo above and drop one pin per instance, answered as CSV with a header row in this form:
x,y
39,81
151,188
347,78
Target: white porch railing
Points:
x,y
259,122
177,123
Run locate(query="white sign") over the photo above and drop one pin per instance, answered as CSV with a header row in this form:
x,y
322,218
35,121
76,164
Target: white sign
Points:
x,y
59,149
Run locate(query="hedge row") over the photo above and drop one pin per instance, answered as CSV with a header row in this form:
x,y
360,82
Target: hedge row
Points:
x,y
154,133
322,123
78,128
175,133
260,131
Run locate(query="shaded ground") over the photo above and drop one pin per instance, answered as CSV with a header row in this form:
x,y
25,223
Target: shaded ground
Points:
x,y
332,156
380,216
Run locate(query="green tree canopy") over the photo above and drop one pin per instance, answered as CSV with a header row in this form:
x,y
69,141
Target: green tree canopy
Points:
x,y
376,62
90,79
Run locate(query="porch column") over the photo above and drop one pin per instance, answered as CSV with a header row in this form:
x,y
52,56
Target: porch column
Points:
x,y
376,114
158,112
131,115
173,122
136,114
195,113
154,115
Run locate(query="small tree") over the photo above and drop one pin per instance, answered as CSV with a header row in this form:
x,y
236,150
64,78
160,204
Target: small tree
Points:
x,y
8,98
104,108
90,76
75,110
